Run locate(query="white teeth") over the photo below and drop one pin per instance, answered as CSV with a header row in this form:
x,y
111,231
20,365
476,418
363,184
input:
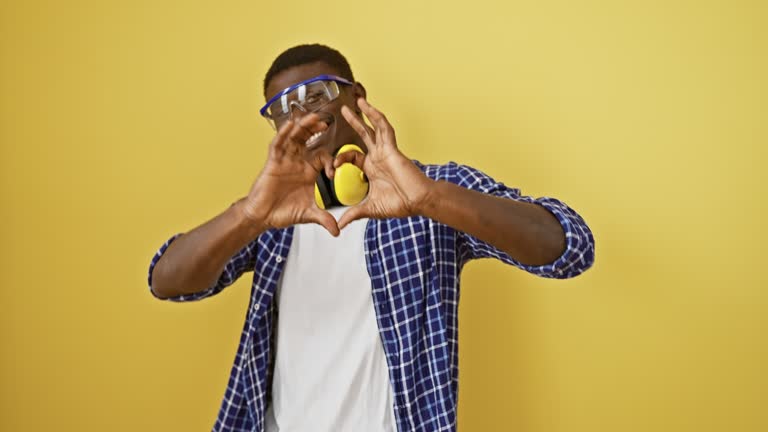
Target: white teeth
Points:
x,y
313,138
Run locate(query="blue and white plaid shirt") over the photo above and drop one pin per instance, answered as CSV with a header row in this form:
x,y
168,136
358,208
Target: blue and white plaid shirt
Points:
x,y
414,264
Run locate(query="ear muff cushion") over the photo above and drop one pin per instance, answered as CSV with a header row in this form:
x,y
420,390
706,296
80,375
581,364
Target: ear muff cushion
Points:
x,y
349,182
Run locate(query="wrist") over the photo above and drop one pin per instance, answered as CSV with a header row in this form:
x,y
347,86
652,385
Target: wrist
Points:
x,y
431,196
248,218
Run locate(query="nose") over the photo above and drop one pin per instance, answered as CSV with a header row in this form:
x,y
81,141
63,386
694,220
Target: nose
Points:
x,y
297,111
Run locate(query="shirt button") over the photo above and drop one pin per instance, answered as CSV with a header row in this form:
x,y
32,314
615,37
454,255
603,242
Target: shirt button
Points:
x,y
279,259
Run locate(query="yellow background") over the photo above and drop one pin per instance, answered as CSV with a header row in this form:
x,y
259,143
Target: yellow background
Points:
x,y
124,122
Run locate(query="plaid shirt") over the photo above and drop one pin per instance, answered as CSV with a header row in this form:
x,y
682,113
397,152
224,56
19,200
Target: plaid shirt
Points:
x,y
414,264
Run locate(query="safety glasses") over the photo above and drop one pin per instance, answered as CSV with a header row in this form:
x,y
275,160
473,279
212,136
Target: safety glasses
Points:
x,y
308,96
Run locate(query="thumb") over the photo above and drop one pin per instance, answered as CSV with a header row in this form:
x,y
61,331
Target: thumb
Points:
x,y
322,217
353,157
359,211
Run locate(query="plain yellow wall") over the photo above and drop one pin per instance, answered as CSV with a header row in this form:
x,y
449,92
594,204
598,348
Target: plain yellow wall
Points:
x,y
124,122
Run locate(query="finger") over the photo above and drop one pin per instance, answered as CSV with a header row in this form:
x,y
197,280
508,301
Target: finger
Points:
x,y
362,129
378,119
313,122
323,161
354,157
278,144
359,211
304,129
319,158
325,219
298,135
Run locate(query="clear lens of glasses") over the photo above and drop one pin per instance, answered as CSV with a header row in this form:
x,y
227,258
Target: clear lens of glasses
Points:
x,y
307,98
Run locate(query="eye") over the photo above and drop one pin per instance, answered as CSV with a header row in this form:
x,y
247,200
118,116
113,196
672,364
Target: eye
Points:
x,y
314,98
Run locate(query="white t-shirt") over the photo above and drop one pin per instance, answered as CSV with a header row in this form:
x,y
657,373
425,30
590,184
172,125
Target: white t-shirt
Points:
x,y
330,370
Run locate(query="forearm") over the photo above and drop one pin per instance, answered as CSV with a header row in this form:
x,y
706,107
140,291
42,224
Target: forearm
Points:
x,y
527,232
194,261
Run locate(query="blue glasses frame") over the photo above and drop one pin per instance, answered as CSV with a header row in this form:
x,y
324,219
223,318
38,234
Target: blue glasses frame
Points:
x,y
338,79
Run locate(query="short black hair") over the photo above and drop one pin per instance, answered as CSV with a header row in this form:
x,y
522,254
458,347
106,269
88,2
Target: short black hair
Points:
x,y
305,54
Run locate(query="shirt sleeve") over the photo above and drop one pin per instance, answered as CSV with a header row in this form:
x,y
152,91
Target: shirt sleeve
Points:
x,y
242,261
579,254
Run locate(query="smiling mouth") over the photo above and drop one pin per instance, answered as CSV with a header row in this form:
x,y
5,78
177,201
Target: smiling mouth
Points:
x,y
317,137
314,139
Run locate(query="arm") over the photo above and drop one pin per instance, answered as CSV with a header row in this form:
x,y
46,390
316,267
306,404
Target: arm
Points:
x,y
542,236
206,259
194,262
527,232
578,247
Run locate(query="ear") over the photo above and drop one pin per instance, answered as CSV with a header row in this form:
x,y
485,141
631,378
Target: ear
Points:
x,y
360,92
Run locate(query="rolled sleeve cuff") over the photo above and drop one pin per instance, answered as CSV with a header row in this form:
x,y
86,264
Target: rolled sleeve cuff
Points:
x,y
155,260
579,253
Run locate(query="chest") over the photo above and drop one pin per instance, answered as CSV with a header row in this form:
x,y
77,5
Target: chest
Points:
x,y
405,259
324,275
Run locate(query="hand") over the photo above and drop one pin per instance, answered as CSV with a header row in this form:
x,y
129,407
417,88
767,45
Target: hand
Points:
x,y
284,193
397,187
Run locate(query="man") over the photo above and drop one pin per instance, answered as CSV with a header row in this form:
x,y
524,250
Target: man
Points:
x,y
356,330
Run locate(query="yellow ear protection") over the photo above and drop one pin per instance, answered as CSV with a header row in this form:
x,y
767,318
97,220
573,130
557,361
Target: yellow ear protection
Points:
x,y
348,187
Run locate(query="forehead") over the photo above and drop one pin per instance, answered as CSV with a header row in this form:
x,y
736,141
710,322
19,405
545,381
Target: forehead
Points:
x,y
297,74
